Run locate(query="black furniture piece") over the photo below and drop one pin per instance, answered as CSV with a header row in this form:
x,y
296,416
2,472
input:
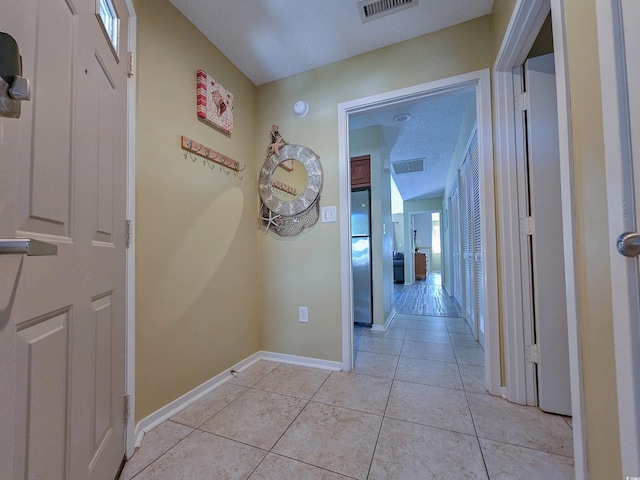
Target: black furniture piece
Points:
x,y
398,267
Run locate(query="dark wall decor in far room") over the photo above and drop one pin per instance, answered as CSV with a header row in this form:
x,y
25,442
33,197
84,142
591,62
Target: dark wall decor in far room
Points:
x,y
289,185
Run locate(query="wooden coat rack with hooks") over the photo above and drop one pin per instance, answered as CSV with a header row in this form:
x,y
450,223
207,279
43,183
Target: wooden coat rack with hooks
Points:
x,y
210,154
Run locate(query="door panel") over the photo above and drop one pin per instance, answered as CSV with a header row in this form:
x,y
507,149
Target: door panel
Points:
x,y
45,204
62,318
105,130
42,353
102,373
550,306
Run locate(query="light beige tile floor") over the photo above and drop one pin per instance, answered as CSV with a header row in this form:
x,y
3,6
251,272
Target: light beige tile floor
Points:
x,y
414,407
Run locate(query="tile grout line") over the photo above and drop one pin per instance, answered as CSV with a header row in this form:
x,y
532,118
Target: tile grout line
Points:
x,y
165,452
384,412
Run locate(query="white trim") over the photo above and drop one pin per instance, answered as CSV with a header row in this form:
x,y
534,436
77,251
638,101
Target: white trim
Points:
x,y
488,234
526,20
130,315
480,80
514,292
162,414
569,235
525,23
387,323
302,361
346,279
620,192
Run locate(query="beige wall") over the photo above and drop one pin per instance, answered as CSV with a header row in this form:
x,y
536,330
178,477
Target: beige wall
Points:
x,y
197,264
592,237
500,16
306,271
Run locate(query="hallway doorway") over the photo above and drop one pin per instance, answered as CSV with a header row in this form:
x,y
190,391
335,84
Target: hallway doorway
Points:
x,y
477,82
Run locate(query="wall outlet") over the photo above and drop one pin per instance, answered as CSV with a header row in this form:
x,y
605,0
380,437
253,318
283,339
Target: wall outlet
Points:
x,y
303,314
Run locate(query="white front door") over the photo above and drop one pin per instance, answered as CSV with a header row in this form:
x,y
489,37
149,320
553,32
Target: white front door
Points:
x,y
619,42
62,181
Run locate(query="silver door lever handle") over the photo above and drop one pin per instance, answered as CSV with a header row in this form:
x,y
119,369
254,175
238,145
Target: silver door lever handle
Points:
x,y
27,246
629,244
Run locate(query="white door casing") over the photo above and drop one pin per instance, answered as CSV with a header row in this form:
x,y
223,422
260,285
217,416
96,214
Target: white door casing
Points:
x,y
527,19
547,255
480,81
63,181
619,48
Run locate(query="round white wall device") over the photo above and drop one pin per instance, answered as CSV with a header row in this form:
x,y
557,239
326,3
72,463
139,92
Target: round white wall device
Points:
x,y
300,108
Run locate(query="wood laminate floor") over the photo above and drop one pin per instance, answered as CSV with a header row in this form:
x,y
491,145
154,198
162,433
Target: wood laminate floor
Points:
x,y
425,297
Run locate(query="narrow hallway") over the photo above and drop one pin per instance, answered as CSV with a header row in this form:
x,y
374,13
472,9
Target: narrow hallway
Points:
x,y
425,297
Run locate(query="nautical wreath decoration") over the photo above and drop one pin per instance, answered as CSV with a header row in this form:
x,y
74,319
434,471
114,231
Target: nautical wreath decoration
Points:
x,y
287,210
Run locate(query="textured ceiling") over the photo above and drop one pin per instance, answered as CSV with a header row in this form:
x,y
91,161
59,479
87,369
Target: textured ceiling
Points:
x,y
431,133
272,39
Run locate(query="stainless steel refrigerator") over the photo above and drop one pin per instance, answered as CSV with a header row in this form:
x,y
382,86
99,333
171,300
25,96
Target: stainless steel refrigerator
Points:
x,y
361,256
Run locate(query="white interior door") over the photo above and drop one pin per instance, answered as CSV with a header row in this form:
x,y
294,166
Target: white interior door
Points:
x,y
549,298
63,165
619,45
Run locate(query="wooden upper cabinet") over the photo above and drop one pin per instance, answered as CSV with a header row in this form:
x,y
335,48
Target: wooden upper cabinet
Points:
x,y
361,171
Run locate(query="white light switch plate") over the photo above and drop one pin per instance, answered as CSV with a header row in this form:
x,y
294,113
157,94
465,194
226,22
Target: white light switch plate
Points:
x,y
329,214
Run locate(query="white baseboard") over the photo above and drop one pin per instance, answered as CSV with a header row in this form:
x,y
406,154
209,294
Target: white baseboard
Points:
x,y
156,418
297,360
387,323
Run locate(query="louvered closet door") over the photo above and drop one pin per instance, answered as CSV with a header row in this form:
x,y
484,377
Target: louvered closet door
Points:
x,y
454,208
477,240
466,202
471,241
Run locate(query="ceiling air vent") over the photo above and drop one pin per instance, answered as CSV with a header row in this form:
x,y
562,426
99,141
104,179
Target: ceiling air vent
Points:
x,y
373,9
408,166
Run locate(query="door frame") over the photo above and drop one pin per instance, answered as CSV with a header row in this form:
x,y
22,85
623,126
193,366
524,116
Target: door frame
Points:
x,y
412,263
526,21
624,274
481,81
130,295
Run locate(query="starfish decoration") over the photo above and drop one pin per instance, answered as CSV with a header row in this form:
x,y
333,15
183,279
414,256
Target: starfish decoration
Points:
x,y
276,146
271,220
